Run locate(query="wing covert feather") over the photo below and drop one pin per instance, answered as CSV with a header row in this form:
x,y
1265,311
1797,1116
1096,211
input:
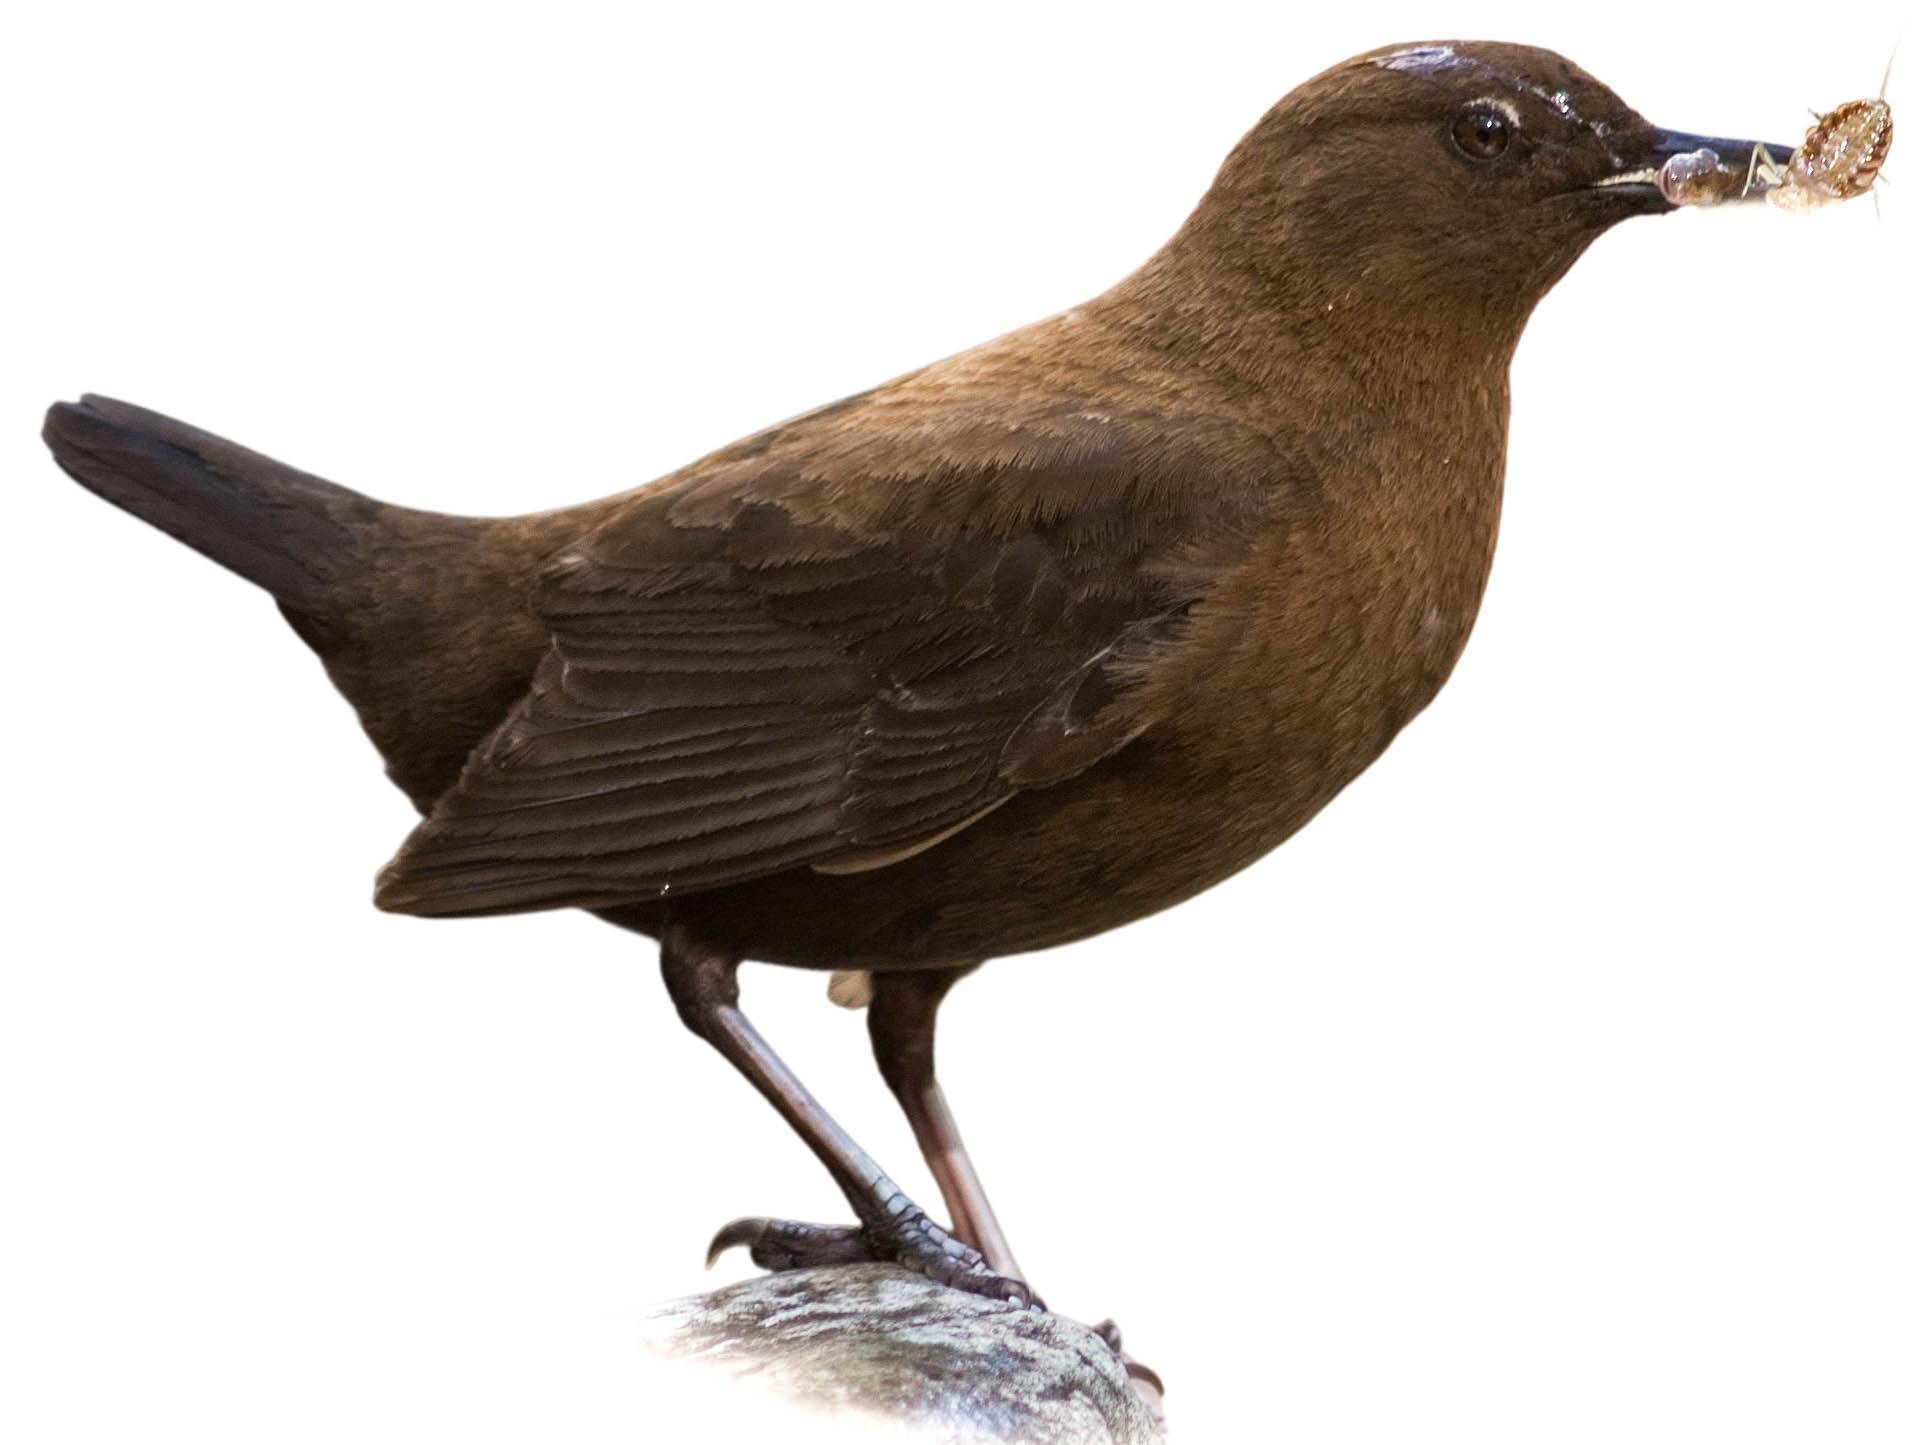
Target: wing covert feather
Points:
x,y
761,664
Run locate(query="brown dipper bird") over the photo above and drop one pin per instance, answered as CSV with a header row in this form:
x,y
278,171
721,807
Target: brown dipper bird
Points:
x,y
1010,650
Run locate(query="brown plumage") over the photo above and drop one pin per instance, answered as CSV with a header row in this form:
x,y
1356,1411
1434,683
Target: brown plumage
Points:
x,y
1008,651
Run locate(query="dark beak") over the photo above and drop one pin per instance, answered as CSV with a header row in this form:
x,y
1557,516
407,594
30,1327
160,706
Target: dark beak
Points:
x,y
1666,169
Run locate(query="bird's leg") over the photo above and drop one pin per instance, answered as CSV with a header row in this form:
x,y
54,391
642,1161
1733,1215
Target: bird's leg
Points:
x,y
890,1227
902,1032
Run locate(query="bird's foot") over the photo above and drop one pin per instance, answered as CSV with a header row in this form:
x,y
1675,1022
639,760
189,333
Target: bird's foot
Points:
x,y
900,1234
1150,1385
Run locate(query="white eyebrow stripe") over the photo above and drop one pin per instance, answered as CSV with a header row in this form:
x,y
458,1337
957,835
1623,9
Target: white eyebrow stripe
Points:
x,y
1498,102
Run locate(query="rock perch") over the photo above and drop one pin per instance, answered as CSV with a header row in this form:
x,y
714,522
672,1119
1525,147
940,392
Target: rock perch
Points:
x,y
872,1352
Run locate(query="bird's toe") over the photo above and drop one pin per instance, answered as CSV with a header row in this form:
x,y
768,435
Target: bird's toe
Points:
x,y
902,1234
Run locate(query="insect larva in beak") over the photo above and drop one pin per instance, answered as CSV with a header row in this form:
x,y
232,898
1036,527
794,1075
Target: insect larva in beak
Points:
x,y
1840,159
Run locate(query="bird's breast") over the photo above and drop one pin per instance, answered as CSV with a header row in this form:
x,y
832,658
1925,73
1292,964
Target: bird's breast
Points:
x,y
1293,679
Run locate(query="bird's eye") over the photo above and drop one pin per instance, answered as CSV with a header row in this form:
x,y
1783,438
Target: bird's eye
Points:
x,y
1481,132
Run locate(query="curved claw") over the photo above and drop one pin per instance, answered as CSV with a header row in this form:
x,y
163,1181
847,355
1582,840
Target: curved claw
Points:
x,y
1111,1335
748,1232
1019,1293
780,1244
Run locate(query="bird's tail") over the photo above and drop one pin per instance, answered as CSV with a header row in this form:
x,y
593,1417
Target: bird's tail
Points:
x,y
283,530
422,619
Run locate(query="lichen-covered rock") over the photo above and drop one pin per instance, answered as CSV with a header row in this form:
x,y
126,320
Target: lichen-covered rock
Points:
x,y
889,1355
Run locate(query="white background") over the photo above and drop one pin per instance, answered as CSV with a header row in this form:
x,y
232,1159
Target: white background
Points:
x,y
1564,1082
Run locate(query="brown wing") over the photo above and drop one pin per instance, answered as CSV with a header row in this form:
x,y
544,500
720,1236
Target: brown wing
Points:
x,y
763,665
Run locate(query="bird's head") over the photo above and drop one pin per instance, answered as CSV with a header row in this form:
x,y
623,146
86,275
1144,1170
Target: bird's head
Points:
x,y
1461,175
